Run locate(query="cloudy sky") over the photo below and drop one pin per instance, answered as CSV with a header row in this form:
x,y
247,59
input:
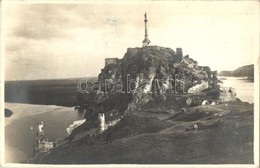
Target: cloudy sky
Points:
x,y
48,41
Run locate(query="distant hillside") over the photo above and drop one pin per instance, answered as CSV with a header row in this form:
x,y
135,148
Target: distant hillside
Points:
x,y
247,70
62,92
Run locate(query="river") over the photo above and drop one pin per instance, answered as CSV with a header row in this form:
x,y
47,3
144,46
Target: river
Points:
x,y
243,87
20,128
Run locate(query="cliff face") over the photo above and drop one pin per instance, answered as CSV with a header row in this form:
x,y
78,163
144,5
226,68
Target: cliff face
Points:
x,y
146,73
243,71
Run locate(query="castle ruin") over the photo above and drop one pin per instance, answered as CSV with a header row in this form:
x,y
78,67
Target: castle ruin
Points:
x,y
111,61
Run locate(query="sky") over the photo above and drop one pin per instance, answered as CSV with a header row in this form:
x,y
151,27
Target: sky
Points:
x,y
51,41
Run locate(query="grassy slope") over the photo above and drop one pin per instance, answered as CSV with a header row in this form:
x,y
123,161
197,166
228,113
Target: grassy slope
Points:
x,y
225,135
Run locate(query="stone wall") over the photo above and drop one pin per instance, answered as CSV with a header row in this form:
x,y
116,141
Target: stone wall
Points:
x,y
111,61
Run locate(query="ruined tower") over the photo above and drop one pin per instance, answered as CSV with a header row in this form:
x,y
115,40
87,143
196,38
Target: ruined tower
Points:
x,y
146,41
179,51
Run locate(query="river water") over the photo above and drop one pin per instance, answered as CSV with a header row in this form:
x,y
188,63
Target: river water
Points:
x,y
243,87
20,128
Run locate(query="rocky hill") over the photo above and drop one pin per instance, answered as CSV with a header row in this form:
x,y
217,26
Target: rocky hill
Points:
x,y
163,108
244,71
146,74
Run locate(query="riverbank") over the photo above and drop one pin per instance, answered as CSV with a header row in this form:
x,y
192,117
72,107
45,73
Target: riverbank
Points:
x,y
20,128
243,87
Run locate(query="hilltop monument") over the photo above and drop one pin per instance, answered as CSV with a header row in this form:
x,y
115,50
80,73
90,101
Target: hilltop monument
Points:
x,y
146,41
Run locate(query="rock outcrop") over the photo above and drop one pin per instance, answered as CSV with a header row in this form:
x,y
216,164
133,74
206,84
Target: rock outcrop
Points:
x,y
146,74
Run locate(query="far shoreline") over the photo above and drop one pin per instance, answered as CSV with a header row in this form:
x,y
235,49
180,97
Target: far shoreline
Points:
x,y
246,78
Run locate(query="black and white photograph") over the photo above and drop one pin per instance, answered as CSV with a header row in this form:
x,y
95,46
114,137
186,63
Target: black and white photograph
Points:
x,y
137,83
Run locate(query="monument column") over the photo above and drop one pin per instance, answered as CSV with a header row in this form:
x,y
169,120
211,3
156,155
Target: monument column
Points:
x,y
146,41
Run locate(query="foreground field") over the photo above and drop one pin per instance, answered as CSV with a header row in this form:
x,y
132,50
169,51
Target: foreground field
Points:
x,y
224,135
